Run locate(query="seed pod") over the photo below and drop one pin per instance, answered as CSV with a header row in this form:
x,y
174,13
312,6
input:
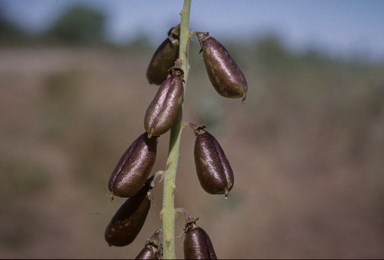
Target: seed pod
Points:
x,y
129,219
197,244
166,105
223,72
212,166
152,248
164,57
133,167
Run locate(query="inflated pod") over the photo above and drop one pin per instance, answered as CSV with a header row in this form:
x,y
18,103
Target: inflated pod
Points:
x,y
197,244
152,248
212,166
134,167
129,219
166,105
164,57
223,72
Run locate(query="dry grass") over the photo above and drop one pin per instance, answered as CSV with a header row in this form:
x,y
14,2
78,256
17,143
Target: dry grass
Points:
x,y
307,149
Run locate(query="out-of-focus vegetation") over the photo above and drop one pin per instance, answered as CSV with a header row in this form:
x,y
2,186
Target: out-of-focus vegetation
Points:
x,y
79,25
10,33
306,147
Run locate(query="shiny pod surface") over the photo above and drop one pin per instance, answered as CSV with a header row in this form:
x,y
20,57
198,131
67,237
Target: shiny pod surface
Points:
x,y
134,167
129,219
148,253
164,57
197,244
166,105
223,72
212,166
152,248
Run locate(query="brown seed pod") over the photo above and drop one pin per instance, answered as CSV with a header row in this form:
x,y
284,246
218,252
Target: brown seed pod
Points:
x,y
223,72
129,219
164,57
134,167
212,166
197,244
152,248
166,105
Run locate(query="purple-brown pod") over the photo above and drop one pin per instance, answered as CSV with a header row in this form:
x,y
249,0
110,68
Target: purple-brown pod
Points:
x,y
164,58
134,167
152,248
166,105
212,166
129,219
197,244
223,72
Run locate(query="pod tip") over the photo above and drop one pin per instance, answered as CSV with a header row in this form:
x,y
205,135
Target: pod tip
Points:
x,y
198,129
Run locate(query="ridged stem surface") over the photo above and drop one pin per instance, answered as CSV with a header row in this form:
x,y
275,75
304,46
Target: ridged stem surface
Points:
x,y
168,211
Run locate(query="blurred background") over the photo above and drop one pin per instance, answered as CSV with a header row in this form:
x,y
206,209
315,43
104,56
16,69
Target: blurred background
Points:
x,y
306,146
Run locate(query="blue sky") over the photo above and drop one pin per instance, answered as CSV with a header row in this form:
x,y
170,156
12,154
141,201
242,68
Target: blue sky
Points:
x,y
340,27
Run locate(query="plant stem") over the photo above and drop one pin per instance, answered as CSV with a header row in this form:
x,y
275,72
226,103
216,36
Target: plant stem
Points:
x,y
168,211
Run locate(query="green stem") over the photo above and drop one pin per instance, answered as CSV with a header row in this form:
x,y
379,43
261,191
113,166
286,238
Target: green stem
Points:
x,y
168,211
